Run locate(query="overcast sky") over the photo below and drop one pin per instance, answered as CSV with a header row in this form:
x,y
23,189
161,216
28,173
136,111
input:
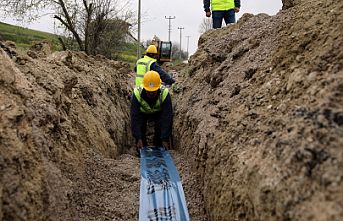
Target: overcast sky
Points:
x,y
189,15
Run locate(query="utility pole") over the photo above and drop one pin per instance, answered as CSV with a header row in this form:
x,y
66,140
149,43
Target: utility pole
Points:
x,y
139,31
187,44
180,28
169,27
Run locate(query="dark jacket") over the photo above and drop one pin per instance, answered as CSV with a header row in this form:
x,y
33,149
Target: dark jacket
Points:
x,y
138,118
207,4
165,77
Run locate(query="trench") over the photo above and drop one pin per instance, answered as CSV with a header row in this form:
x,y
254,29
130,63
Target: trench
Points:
x,y
257,126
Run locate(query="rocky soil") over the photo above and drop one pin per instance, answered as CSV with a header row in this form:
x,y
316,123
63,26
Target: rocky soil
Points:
x,y
258,125
261,111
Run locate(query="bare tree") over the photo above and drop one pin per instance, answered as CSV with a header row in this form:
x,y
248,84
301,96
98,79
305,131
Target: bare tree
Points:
x,y
205,25
86,20
108,35
176,52
111,39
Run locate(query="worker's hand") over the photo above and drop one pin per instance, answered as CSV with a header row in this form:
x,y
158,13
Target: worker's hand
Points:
x,y
208,14
165,144
139,144
236,9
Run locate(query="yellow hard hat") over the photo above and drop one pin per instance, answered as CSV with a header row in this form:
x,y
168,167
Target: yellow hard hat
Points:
x,y
151,49
151,81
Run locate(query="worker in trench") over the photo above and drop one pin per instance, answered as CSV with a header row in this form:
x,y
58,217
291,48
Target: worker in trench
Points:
x,y
149,63
151,101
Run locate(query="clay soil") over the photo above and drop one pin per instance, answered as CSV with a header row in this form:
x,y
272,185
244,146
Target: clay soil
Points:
x,y
258,126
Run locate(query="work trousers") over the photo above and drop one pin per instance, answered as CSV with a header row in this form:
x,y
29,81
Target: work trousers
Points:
x,y
155,121
218,16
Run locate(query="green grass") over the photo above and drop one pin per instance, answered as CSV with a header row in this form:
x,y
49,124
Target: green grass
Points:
x,y
128,58
24,37
129,54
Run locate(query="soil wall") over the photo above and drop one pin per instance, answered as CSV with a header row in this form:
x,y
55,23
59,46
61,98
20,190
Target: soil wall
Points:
x,y
260,111
55,111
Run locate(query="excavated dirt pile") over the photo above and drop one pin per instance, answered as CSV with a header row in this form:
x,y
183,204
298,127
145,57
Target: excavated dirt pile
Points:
x,y
261,112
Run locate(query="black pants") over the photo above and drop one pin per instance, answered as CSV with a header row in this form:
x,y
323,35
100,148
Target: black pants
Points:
x,y
152,120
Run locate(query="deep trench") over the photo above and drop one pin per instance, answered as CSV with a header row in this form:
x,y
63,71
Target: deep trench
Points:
x,y
185,165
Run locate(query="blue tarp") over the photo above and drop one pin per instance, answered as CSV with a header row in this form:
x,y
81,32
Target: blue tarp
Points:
x,y
161,193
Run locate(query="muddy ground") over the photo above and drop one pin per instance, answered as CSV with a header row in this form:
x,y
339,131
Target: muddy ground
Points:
x,y
258,125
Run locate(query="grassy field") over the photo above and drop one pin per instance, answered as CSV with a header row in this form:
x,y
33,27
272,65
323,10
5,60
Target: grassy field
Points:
x,y
129,54
24,37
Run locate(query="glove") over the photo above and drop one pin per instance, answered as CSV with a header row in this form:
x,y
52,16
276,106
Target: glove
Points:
x,y
165,144
139,144
172,81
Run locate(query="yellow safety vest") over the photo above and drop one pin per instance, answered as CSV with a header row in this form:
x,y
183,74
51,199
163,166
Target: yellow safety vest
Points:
x,y
145,107
143,66
221,5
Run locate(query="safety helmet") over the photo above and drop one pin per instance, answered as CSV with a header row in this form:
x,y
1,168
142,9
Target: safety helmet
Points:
x,y
151,49
151,81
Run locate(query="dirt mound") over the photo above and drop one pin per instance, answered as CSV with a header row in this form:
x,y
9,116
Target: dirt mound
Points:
x,y
261,111
55,112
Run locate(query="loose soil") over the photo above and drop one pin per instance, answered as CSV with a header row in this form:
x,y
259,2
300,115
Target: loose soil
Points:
x,y
258,125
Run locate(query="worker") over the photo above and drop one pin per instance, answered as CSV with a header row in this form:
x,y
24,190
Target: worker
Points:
x,y
222,9
151,101
148,63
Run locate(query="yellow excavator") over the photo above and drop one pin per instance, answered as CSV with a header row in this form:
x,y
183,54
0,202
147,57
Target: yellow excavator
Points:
x,y
164,49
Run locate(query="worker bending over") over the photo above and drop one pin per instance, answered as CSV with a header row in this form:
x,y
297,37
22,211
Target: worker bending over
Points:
x,y
151,101
148,63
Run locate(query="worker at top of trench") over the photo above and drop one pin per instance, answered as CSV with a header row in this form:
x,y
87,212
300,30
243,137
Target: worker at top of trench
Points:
x,y
151,101
148,63
222,9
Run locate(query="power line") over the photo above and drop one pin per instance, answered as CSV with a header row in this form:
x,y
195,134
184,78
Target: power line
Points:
x,y
139,31
169,27
180,28
187,43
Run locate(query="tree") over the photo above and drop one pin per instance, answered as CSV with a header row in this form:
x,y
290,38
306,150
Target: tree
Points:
x,y
86,21
205,25
176,52
108,34
112,37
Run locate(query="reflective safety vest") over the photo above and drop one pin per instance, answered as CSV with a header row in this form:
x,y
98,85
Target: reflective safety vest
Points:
x,y
221,5
145,107
143,66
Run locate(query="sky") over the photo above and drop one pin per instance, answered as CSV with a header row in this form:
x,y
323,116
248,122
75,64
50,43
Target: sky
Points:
x,y
188,14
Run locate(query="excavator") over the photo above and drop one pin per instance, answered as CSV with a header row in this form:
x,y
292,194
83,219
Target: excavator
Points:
x,y
164,49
